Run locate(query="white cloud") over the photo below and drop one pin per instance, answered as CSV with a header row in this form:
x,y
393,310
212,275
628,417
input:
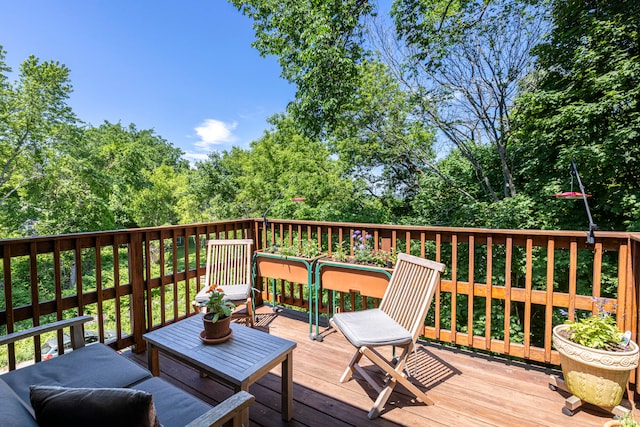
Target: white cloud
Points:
x,y
215,132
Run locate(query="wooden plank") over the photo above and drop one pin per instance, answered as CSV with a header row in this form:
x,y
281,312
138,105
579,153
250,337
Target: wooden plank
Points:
x,y
507,294
488,298
527,298
471,268
454,281
136,278
548,311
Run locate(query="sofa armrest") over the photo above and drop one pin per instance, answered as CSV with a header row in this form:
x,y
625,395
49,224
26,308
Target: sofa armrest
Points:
x,y
75,323
225,411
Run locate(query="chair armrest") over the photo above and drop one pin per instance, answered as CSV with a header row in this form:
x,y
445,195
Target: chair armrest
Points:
x,y
77,338
225,411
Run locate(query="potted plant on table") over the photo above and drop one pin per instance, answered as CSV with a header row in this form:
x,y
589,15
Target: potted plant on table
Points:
x,y
595,357
218,317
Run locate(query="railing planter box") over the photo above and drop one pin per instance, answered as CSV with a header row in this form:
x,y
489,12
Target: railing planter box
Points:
x,y
294,269
592,375
368,280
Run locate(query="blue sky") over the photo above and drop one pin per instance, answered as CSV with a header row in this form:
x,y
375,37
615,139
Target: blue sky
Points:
x,y
185,69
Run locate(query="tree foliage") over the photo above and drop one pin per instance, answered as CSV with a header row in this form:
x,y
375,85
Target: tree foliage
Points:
x,y
584,105
377,96
319,46
33,111
463,62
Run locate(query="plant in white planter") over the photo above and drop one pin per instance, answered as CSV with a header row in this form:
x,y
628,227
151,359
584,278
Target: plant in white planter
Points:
x,y
596,359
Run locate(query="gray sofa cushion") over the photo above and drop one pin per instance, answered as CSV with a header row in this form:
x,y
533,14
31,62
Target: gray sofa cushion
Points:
x,y
371,328
174,407
13,412
96,407
92,366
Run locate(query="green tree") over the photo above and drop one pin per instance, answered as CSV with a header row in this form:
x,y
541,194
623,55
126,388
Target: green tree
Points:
x,y
584,105
380,142
213,187
284,164
157,204
319,45
33,116
463,61
127,156
73,193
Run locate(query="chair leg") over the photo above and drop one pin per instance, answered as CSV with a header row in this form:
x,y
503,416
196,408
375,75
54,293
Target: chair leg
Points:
x,y
250,312
348,373
381,400
397,376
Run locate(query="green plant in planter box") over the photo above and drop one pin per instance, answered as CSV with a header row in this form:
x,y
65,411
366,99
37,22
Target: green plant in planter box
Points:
x,y
598,331
308,249
218,307
363,253
339,254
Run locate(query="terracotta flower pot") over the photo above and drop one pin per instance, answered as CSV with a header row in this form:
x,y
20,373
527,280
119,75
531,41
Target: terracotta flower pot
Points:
x,y
595,376
217,330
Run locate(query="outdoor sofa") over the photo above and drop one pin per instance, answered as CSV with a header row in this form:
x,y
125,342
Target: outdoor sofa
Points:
x,y
95,381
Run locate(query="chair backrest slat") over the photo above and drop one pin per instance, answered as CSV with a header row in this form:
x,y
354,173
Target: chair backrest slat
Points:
x,y
410,291
228,262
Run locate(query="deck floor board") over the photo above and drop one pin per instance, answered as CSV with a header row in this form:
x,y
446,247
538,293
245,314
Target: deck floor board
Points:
x,y
468,388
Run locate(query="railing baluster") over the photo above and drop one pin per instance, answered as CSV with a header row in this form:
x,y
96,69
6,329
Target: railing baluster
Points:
x,y
548,315
35,295
8,301
507,294
99,297
489,293
454,287
471,280
527,298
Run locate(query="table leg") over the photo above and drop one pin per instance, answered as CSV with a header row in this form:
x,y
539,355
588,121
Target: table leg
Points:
x,y
153,362
287,387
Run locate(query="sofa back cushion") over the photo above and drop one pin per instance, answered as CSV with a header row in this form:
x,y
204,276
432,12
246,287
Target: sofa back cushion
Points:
x,y
95,365
13,411
96,407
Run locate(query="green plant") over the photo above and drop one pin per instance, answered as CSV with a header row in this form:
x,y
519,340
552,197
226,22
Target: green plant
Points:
x,y
597,331
339,254
308,250
218,307
628,420
363,253
384,258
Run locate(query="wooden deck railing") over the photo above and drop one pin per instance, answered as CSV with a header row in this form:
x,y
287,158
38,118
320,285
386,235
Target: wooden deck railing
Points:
x,y
502,291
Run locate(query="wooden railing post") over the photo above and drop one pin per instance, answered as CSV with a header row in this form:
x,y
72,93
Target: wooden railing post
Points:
x,y
136,278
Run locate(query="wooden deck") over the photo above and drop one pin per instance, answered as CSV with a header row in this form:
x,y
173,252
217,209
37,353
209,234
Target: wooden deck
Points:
x,y
469,389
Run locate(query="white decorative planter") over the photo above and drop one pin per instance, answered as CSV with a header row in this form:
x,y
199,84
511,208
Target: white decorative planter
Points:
x,y
595,376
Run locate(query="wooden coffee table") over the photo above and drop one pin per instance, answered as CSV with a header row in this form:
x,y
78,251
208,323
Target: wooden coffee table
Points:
x,y
239,362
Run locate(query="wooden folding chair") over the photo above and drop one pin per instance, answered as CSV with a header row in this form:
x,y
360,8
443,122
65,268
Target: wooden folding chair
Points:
x,y
398,322
229,267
